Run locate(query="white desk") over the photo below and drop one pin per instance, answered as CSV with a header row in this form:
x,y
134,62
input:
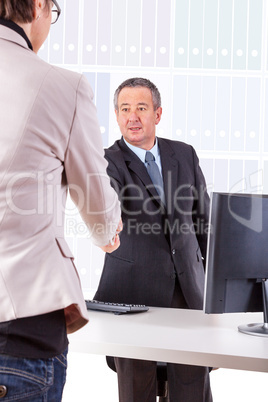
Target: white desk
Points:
x,y
174,335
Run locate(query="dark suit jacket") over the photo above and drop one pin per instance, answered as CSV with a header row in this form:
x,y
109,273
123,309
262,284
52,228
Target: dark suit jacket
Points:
x,y
157,244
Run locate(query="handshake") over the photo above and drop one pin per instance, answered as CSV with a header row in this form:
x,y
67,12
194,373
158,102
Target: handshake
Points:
x,y
115,242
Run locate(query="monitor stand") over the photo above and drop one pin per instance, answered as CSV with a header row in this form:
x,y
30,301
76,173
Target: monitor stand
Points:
x,y
259,329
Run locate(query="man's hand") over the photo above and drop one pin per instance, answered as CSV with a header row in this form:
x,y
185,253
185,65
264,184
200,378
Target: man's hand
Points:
x,y
112,246
115,243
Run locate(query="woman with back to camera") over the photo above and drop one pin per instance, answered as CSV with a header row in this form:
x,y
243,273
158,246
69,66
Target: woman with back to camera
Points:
x,y
50,143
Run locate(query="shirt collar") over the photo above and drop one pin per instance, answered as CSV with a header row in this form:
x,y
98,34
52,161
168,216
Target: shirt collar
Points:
x,y
141,152
15,27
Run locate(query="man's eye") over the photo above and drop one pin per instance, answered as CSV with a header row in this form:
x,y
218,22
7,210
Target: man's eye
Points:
x,y
142,108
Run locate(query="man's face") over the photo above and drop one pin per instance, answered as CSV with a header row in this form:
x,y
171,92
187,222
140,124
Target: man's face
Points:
x,y
136,116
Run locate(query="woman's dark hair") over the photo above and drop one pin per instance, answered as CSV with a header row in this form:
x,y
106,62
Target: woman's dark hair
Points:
x,y
21,11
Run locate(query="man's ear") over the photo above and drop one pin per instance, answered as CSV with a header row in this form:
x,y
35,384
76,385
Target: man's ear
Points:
x,y
158,114
116,114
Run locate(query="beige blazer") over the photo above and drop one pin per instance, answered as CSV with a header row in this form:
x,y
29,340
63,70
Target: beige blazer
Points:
x,y
50,143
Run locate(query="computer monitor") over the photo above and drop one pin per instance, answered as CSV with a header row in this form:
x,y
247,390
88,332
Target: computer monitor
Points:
x,y
237,257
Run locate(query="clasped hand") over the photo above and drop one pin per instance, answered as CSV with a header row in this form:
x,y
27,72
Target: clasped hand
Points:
x,y
115,243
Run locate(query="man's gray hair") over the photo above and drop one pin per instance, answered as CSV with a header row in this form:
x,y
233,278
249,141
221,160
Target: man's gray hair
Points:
x,y
139,82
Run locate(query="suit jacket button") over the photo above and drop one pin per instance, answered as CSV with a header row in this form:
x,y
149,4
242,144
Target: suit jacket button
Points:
x,y
3,391
173,251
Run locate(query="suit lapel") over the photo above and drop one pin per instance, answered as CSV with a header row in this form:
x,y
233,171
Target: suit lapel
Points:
x,y
170,169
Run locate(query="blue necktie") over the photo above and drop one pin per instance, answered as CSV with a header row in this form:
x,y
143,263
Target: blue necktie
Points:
x,y
155,175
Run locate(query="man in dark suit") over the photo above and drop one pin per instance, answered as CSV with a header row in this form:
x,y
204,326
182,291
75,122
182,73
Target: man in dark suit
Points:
x,y
164,237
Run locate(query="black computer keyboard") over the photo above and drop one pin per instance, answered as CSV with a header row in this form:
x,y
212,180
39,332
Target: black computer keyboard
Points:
x,y
116,308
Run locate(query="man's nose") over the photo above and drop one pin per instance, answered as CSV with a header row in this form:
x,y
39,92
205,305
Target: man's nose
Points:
x,y
133,117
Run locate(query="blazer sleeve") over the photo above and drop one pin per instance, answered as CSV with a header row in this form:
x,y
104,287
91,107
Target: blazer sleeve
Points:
x,y
85,167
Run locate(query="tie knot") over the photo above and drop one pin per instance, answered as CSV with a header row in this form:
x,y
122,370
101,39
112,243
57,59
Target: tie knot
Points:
x,y
149,157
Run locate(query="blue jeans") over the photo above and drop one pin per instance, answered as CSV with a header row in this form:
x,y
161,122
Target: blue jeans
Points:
x,y
32,380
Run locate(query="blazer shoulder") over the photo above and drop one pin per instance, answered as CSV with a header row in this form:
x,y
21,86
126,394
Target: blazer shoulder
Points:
x,y
182,149
114,152
46,68
69,78
52,76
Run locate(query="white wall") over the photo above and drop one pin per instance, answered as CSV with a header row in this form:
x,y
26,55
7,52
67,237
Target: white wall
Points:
x,y
209,60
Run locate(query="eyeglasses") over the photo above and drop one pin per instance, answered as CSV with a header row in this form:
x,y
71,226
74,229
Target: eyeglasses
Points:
x,y
56,10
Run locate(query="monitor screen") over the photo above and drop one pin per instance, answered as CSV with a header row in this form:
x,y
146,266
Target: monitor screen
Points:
x,y
237,255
